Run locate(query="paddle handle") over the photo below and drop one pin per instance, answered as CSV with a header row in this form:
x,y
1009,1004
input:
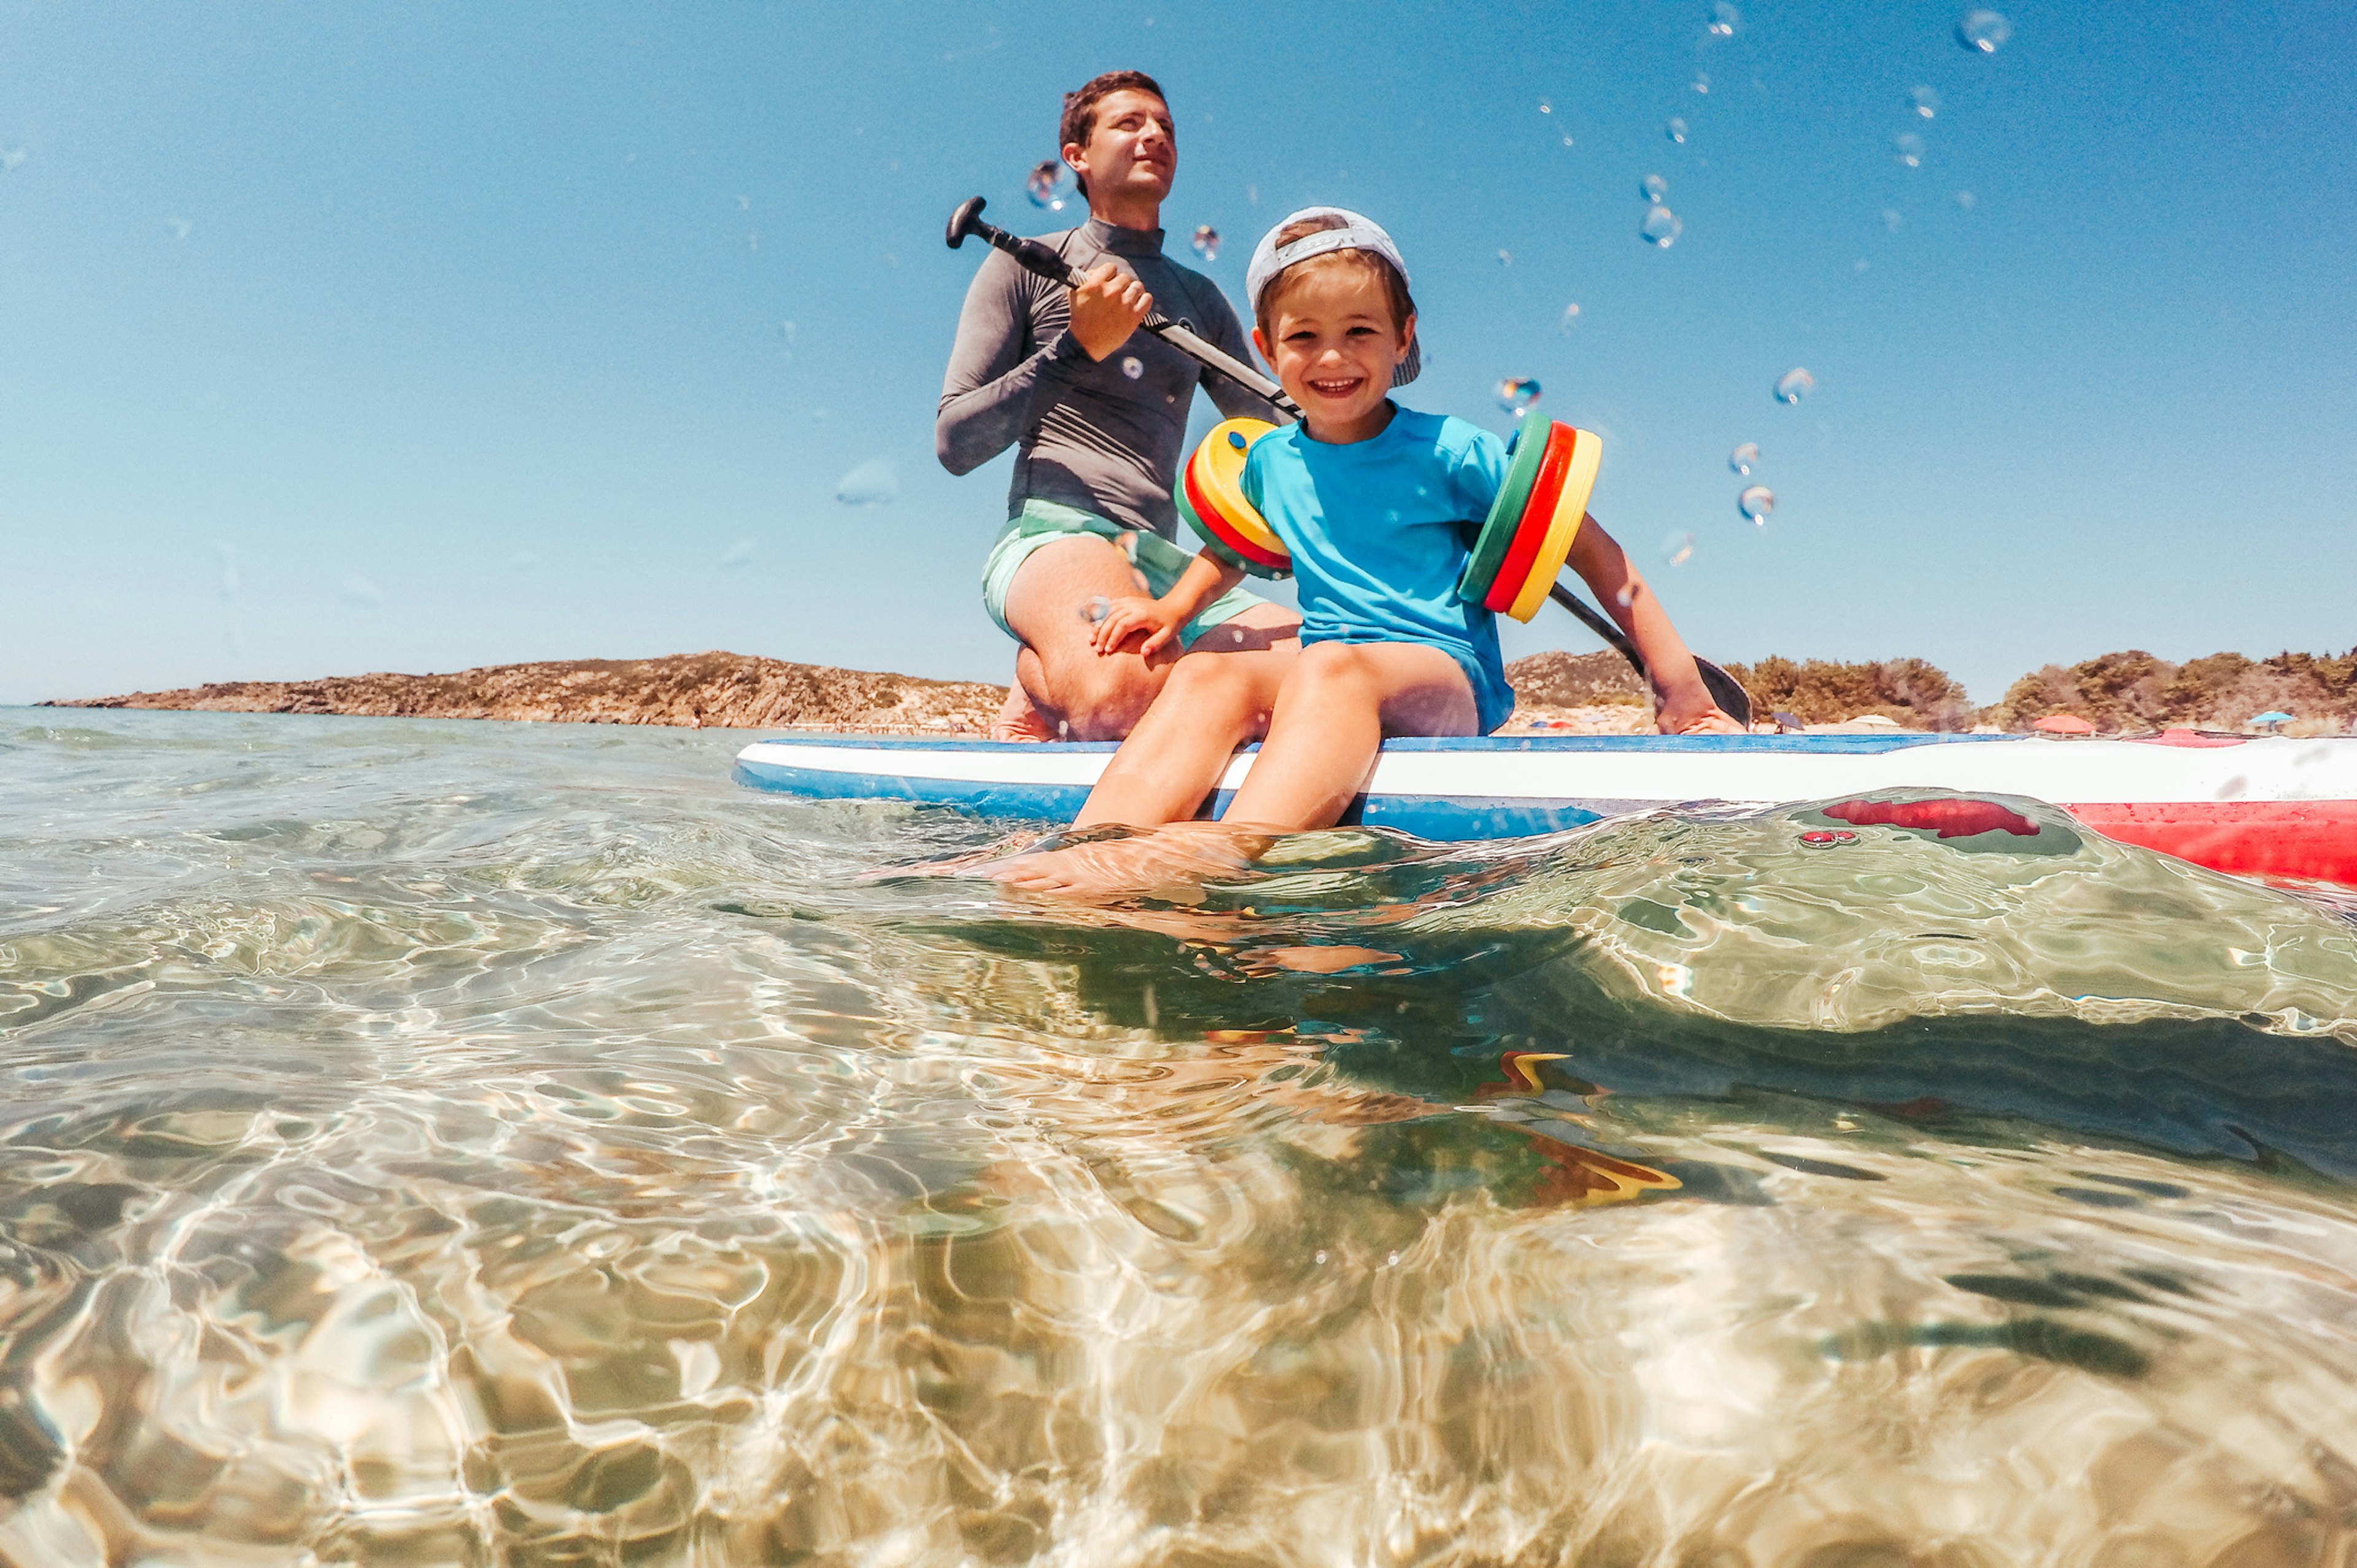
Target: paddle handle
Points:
x,y
1725,690
1035,257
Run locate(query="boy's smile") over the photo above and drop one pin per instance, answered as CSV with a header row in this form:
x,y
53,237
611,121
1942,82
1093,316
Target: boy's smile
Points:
x,y
1335,349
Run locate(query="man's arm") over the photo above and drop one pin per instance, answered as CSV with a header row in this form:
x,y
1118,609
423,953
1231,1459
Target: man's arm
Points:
x,y
991,396
1217,323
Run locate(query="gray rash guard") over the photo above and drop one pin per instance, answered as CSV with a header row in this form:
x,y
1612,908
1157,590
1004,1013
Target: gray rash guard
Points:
x,y
1092,435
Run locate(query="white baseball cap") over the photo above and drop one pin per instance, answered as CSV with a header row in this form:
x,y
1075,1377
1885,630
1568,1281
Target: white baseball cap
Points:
x,y
1356,234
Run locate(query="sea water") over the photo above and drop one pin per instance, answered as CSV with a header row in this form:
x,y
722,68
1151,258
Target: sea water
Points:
x,y
432,1143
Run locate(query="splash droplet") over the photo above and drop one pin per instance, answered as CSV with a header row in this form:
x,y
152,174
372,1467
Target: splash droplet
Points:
x,y
1545,107
1625,598
1893,219
1926,100
1321,1257
1756,503
1096,609
1569,319
1967,200
1505,258
1675,131
1907,148
10,157
1794,384
1677,549
180,227
873,483
1516,393
740,554
1207,241
1655,187
1701,83
1983,32
1661,226
1723,19
1045,184
1132,366
1742,457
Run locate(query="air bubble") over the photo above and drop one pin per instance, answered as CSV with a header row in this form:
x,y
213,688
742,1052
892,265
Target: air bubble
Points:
x,y
1207,241
1655,187
1045,185
1723,19
1756,503
1516,393
1675,131
1742,457
873,483
1794,384
1926,100
1661,226
1132,366
1983,32
1907,148
1677,549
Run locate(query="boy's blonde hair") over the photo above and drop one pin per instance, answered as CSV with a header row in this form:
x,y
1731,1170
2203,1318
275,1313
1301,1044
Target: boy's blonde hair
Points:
x,y
1395,294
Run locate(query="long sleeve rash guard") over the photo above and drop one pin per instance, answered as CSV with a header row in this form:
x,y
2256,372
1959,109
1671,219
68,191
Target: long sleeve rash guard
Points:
x,y
1103,435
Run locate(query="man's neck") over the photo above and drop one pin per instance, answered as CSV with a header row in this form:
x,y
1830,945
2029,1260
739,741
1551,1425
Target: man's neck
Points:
x,y
1141,215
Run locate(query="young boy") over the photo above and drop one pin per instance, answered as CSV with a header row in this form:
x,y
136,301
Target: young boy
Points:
x,y
1369,499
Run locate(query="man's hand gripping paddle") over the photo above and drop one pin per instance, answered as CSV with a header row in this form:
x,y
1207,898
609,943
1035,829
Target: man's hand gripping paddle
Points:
x,y
1036,257
1523,569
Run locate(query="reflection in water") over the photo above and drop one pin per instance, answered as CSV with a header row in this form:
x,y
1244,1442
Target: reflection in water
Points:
x,y
473,1142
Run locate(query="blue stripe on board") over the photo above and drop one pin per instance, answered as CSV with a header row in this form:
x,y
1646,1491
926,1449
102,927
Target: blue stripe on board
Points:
x,y
1822,745
1424,816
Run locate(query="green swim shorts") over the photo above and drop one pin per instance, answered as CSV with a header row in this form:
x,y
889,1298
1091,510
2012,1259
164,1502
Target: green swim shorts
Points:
x,y
1043,522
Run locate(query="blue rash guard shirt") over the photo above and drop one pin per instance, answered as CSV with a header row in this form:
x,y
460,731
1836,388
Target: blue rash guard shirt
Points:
x,y
1378,531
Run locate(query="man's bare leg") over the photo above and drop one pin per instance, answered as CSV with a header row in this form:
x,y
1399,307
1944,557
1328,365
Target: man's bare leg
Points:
x,y
1017,718
1080,693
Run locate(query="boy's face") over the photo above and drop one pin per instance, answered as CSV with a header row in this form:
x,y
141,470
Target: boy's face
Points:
x,y
1335,346
1131,148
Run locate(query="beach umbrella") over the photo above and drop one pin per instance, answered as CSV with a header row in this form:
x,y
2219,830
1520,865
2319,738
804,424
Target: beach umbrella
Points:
x,y
2064,724
2271,718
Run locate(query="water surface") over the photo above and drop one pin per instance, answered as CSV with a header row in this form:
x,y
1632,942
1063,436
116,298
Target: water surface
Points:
x,y
481,1143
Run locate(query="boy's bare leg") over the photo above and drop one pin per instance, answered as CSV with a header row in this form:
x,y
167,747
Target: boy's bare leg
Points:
x,y
1334,705
1337,704
1082,694
1211,704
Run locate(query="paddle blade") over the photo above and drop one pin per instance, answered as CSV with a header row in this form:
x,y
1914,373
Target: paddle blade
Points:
x,y
1732,700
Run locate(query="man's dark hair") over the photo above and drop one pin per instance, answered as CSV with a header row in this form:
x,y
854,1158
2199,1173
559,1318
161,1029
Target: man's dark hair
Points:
x,y
1081,108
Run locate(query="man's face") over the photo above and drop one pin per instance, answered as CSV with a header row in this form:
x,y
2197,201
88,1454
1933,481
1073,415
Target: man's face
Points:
x,y
1131,150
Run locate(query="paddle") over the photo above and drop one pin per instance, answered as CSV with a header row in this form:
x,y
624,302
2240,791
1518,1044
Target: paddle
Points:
x,y
1035,257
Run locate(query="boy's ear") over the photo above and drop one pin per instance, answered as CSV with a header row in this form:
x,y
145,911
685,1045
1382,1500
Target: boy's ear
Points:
x,y
1260,347
1407,338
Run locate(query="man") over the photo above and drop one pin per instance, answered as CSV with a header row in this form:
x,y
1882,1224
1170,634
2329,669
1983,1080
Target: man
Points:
x,y
1097,410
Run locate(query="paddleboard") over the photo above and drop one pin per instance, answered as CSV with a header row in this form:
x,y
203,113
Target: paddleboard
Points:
x,y
2258,806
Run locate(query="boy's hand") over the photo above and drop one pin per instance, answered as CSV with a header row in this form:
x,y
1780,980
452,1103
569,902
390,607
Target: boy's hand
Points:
x,y
1691,712
1107,307
1131,614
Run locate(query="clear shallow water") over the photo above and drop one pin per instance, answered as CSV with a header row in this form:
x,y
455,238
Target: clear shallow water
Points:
x,y
496,1143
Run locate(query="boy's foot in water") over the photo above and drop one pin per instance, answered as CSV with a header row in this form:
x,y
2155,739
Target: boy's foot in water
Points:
x,y
1171,863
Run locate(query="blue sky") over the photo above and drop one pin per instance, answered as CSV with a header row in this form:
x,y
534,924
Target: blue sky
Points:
x,y
345,338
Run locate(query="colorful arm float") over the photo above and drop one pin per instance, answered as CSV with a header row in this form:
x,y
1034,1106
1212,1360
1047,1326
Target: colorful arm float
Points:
x,y
1210,498
1516,557
1550,472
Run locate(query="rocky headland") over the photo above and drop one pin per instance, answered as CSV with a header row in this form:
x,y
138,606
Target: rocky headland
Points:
x,y
1586,692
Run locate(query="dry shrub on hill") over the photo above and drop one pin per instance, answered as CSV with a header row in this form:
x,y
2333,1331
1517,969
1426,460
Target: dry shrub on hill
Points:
x,y
1906,690
2133,689
1560,680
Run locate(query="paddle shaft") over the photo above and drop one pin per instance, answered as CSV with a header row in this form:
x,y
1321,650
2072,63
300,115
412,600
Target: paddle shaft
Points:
x,y
1035,257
